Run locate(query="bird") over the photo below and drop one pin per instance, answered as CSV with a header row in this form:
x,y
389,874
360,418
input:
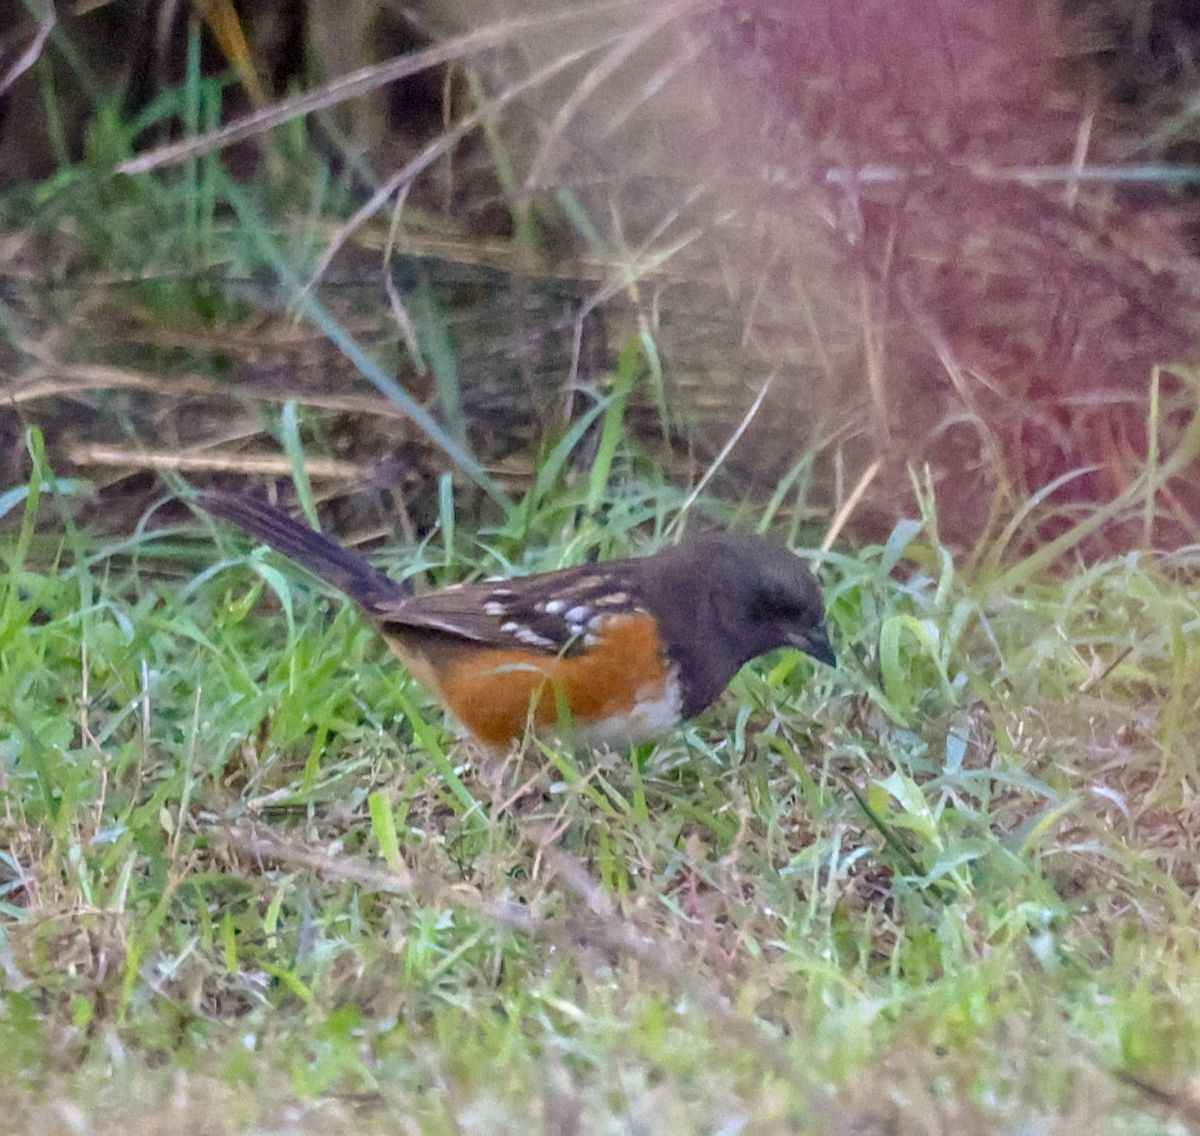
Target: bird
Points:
x,y
609,653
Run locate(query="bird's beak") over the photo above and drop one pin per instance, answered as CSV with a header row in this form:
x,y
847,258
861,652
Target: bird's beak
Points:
x,y
815,642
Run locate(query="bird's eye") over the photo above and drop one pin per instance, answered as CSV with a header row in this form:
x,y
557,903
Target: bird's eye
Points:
x,y
777,603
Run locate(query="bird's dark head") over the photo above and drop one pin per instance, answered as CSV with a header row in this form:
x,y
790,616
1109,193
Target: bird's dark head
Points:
x,y
765,597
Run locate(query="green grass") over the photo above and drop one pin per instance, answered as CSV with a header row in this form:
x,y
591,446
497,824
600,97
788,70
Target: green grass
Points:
x,y
250,877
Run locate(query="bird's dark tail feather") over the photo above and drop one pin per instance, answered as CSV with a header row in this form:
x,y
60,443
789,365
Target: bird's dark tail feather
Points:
x,y
345,570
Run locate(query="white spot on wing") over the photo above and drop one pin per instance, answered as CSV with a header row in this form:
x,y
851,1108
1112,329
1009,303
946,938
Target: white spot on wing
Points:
x,y
525,635
613,599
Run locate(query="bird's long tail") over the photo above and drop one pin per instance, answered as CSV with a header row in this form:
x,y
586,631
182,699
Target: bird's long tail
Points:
x,y
323,557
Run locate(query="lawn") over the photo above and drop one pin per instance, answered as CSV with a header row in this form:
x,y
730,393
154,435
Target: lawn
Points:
x,y
253,881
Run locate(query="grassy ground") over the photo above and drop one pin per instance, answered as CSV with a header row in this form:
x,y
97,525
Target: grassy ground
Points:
x,y
251,880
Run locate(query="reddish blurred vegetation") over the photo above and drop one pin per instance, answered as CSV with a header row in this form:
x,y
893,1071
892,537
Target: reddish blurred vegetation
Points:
x,y
1028,315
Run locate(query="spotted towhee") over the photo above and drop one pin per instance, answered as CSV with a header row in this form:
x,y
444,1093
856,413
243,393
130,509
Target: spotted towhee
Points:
x,y
627,647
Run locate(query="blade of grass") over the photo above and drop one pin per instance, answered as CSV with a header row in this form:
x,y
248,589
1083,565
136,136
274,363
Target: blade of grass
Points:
x,y
383,825
293,447
426,737
446,515
613,427
725,451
